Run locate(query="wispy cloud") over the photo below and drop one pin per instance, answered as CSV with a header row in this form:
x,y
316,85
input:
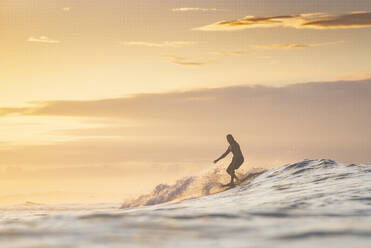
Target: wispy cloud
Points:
x,y
187,9
185,61
285,46
228,53
13,111
301,21
43,39
174,44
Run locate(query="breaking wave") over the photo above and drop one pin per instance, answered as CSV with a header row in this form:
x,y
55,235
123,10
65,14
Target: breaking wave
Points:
x,y
190,187
289,176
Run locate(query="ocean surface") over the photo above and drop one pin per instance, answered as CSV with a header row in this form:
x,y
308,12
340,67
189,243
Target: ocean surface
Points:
x,y
312,203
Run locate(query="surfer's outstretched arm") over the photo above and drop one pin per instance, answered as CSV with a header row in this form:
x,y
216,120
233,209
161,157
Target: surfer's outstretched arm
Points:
x,y
223,155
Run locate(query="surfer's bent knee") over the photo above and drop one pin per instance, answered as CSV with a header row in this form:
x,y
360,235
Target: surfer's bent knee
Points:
x,y
230,171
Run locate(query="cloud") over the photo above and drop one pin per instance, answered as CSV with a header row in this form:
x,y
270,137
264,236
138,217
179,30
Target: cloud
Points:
x,y
193,9
293,45
229,53
173,44
13,111
185,61
301,21
324,119
201,103
43,39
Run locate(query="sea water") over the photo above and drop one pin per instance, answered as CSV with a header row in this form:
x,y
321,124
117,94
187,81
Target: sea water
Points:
x,y
312,203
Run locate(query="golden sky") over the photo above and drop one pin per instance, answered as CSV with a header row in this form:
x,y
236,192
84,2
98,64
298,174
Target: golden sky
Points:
x,y
123,92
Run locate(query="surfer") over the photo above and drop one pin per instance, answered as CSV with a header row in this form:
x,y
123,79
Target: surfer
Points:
x,y
237,159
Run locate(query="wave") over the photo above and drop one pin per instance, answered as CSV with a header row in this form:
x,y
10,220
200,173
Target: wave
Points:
x,y
287,177
191,187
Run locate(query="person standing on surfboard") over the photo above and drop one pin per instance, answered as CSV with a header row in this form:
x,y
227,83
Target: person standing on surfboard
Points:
x,y
237,159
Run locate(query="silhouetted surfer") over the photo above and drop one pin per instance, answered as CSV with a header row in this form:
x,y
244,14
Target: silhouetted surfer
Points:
x,y
237,159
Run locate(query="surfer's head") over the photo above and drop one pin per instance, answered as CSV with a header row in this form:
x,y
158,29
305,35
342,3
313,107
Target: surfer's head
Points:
x,y
230,138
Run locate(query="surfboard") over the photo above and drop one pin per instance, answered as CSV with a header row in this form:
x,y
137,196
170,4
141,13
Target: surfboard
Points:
x,y
228,186
242,181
